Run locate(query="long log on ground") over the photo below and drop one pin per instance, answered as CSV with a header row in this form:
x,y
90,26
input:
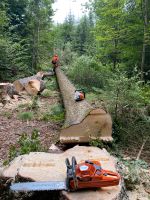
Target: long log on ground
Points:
x,y
20,84
82,121
40,166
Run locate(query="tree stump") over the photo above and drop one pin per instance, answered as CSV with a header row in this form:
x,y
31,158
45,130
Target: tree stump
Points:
x,y
40,166
82,122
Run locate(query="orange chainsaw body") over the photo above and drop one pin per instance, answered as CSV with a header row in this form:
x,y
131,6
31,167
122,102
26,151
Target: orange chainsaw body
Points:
x,y
89,174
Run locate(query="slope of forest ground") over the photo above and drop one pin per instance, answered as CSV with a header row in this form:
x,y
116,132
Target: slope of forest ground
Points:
x,y
20,117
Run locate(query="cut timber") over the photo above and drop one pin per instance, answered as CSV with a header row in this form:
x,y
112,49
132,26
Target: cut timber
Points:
x,y
3,93
7,91
82,122
21,83
42,166
33,87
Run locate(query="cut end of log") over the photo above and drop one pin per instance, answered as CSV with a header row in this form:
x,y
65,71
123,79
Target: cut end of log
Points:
x,y
33,87
96,125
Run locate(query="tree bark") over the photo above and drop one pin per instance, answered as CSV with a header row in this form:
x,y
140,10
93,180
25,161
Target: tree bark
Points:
x,y
7,91
82,122
145,13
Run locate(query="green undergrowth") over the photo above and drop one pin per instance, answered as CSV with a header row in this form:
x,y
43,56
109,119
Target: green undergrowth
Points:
x,y
55,113
51,84
26,116
103,144
135,172
47,93
26,144
31,106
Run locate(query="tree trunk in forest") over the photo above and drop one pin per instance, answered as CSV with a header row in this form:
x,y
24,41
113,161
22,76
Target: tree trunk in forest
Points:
x,y
82,122
32,84
145,13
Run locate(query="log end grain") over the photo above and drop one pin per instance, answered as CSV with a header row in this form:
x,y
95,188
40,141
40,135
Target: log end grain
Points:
x,y
96,125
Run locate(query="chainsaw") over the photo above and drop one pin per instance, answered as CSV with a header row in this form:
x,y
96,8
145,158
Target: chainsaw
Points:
x,y
87,174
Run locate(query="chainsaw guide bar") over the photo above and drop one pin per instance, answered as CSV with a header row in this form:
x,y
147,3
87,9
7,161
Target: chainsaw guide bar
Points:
x,y
38,186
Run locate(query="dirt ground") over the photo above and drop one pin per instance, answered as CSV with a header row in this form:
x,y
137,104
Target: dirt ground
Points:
x,y
11,127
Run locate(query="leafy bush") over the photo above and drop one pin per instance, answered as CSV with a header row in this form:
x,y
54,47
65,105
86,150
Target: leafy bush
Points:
x,y
85,71
126,103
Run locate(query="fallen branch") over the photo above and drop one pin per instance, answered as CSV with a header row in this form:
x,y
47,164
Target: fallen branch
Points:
x,y
142,147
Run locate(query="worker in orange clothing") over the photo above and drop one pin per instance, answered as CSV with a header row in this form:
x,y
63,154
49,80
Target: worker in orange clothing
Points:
x,y
55,61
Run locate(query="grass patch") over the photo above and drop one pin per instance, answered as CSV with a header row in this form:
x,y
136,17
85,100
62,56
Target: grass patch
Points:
x,y
47,93
51,84
26,116
55,114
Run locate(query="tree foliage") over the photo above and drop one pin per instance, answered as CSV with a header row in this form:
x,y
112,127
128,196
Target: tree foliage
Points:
x,y
25,36
119,33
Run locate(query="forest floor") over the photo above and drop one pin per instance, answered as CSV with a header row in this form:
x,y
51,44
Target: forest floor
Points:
x,y
12,127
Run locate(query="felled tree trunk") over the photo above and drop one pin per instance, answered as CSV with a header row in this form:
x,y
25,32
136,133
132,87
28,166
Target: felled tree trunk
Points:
x,y
82,122
32,84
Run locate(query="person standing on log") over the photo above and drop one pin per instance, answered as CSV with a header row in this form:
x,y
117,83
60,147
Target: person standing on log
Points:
x,y
55,61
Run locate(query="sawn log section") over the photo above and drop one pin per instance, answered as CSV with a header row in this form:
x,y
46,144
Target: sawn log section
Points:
x,y
82,121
